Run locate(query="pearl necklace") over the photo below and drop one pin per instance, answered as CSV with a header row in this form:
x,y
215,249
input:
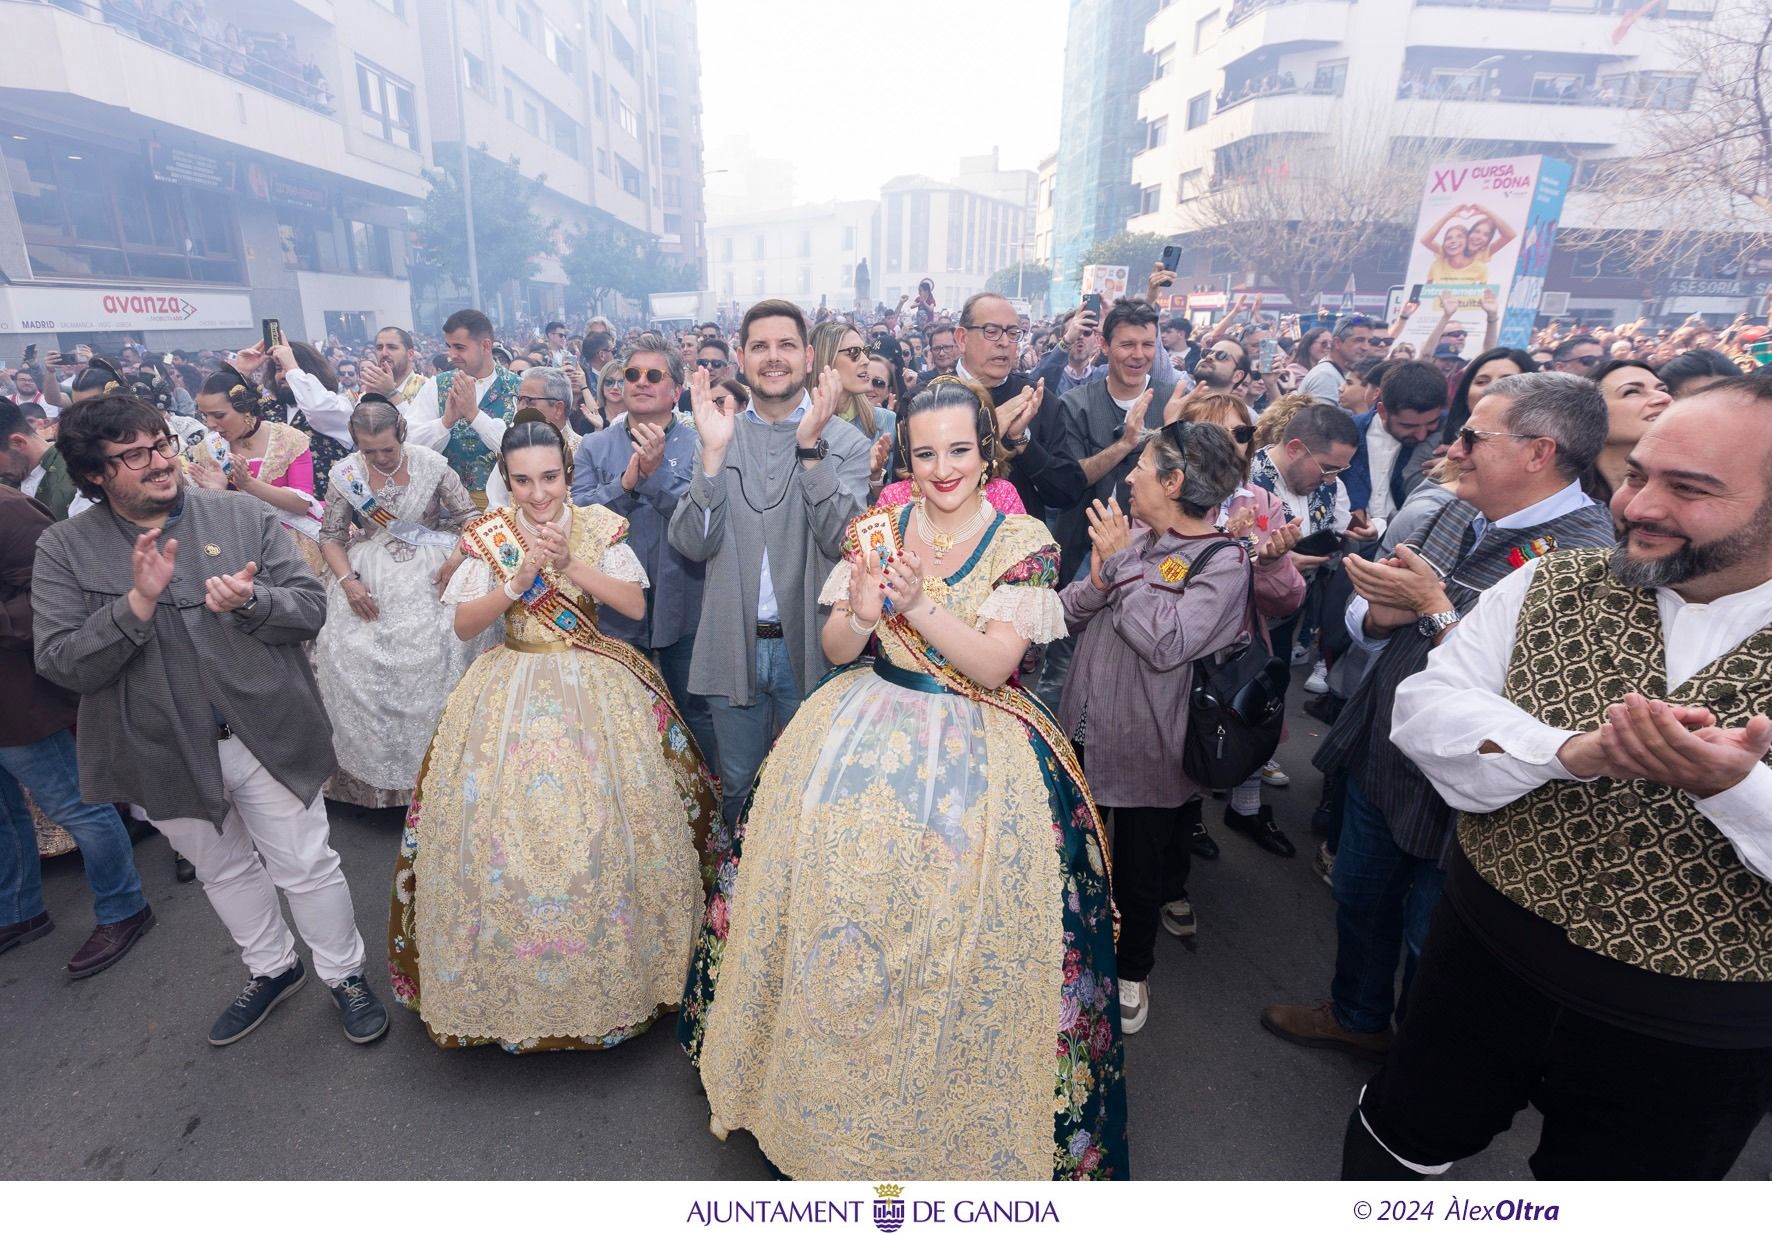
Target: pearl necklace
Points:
x,y
388,477
941,542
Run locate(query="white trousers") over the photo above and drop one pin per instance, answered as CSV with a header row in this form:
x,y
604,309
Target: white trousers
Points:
x,y
271,842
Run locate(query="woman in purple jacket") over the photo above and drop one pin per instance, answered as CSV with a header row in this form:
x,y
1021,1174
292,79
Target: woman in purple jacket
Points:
x,y
1139,629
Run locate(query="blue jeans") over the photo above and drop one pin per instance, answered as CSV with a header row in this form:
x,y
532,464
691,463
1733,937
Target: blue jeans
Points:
x,y
743,736
673,667
1384,899
48,769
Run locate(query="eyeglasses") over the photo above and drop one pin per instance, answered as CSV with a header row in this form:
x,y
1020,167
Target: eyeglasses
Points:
x,y
654,376
1452,334
1468,437
532,400
1329,470
140,456
711,363
994,333
1218,353
854,355
1586,362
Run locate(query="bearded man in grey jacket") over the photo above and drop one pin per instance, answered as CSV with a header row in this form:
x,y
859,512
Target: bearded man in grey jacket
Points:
x,y
178,616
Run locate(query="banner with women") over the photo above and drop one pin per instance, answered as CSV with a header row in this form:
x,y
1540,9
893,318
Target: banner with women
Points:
x,y
1482,226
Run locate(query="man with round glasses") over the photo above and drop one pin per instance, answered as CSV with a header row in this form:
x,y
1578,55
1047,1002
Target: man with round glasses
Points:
x,y
178,617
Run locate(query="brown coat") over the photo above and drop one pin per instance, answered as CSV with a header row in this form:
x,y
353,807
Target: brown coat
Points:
x,y
35,707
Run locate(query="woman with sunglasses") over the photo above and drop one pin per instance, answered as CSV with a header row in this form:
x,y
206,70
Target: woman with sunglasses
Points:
x,y
1268,531
1142,615
838,345
612,392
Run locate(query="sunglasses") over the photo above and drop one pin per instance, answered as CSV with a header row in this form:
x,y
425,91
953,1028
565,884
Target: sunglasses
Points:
x,y
854,355
654,376
878,383
1586,362
1468,437
710,364
1242,435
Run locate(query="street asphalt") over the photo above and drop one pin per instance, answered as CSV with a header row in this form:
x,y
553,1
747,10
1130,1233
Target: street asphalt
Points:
x,y
111,1077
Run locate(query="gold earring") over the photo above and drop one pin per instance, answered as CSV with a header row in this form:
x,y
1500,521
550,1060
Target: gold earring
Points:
x,y
916,488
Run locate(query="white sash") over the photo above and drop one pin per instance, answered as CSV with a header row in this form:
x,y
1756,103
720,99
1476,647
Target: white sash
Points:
x,y
348,479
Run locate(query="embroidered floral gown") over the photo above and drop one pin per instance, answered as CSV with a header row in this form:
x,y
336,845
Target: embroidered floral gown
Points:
x,y
910,973
547,890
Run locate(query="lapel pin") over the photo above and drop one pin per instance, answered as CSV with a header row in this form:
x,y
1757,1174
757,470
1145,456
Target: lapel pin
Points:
x,y
212,550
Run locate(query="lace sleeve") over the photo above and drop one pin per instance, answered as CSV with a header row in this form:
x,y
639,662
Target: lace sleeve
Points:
x,y
471,580
1036,612
836,587
335,528
620,562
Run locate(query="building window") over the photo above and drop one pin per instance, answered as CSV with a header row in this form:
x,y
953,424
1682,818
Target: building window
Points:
x,y
561,52
624,53
1199,110
1331,78
89,213
396,7
1206,30
629,177
849,239
673,225
531,118
673,191
474,70
806,280
562,131
760,248
602,160
757,283
1157,135
597,92
528,22
370,251
1150,199
627,117
670,151
387,106
726,248
805,244
1162,63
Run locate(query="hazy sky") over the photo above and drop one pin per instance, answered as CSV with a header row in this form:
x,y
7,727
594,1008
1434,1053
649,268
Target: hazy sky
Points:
x,y
856,93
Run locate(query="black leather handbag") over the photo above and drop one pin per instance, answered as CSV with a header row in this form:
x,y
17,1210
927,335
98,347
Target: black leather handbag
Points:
x,y
1237,706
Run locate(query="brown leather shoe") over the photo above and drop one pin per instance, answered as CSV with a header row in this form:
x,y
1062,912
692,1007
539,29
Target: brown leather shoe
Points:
x,y
1315,1025
109,942
23,932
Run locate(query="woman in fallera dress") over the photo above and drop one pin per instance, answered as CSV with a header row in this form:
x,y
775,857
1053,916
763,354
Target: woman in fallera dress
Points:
x,y
910,970
548,888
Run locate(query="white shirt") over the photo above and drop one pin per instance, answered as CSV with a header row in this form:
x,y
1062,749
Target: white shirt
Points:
x,y
1564,501
1445,713
32,482
1125,405
1381,455
328,411
424,416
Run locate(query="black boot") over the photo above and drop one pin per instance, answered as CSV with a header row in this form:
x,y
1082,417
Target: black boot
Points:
x,y
1199,840
1261,829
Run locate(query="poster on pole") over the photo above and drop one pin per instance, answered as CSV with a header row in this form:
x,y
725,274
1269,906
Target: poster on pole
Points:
x,y
1482,241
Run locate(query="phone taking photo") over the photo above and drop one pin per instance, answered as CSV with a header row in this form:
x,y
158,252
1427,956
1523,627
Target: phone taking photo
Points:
x,y
1171,257
273,334
1092,304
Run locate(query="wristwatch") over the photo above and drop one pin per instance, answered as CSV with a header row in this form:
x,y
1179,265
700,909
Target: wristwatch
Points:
x,y
1431,624
807,454
251,603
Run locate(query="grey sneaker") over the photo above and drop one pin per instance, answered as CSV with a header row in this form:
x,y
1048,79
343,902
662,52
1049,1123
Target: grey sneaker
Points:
x,y
1178,918
253,1004
1324,864
364,1017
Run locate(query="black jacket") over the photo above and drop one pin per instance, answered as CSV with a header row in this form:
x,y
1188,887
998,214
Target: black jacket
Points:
x,y
1046,474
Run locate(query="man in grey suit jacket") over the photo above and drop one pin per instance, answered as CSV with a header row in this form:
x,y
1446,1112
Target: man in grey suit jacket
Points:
x,y
770,496
178,617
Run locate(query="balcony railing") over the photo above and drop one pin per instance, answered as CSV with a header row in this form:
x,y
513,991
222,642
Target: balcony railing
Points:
x,y
1679,9
268,62
1250,91
1243,10
1586,95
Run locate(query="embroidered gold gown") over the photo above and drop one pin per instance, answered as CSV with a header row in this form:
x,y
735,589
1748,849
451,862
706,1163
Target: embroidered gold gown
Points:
x,y
909,970
548,888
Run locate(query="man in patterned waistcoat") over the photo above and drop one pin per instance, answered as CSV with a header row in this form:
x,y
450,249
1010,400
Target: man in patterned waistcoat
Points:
x,y
1519,459
463,414
1604,948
